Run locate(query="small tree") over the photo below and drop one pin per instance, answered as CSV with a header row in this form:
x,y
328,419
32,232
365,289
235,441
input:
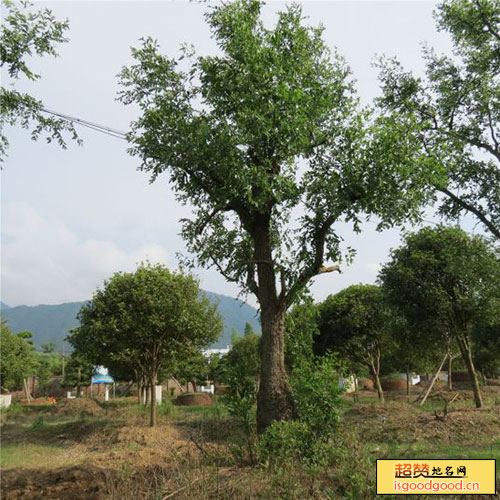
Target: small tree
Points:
x,y
240,369
192,366
18,361
355,324
78,373
412,349
23,34
146,319
445,281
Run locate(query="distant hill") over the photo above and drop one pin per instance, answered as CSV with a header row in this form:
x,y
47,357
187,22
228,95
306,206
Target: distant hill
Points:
x,y
3,306
51,323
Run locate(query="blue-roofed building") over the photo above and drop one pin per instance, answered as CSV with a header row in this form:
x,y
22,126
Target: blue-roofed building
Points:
x,y
102,378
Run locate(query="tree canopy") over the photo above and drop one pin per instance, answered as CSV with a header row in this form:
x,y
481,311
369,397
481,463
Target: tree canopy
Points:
x,y
356,323
144,320
445,126
17,361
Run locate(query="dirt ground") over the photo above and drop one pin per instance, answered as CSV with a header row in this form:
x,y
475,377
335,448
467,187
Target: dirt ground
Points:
x,y
86,450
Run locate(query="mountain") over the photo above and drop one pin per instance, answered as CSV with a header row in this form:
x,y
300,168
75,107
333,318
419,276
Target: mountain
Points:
x,y
52,323
46,323
3,306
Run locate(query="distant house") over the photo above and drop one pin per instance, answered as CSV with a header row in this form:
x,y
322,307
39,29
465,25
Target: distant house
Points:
x,y
209,352
100,382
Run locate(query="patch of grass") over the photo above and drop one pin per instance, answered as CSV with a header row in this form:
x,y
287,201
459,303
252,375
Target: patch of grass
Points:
x,y
29,454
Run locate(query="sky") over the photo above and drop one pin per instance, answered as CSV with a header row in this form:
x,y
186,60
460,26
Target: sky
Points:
x,y
71,218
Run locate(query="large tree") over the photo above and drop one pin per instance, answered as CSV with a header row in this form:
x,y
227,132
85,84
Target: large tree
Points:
x,y
266,141
144,320
446,127
445,282
356,324
23,34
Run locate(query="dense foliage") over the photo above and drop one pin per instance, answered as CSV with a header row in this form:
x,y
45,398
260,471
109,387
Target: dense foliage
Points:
x,y
445,127
143,321
446,282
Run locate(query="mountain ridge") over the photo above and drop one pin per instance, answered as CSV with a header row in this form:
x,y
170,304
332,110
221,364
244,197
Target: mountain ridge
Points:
x,y
52,322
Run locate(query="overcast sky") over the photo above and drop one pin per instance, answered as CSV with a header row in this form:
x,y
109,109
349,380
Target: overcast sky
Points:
x,y
70,218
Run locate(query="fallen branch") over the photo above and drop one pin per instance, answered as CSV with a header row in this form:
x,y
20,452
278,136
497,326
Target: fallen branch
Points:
x,y
170,495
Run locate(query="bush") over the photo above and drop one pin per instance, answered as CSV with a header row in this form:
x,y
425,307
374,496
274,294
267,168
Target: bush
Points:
x,y
38,423
317,394
285,441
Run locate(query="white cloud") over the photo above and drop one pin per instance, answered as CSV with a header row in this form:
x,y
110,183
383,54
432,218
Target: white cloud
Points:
x,y
43,261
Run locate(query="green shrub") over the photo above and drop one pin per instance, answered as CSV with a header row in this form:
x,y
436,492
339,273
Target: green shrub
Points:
x,y
38,423
315,386
284,441
317,396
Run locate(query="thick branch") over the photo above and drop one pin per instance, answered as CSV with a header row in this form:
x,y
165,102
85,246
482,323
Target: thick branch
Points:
x,y
251,281
486,147
329,269
471,208
317,265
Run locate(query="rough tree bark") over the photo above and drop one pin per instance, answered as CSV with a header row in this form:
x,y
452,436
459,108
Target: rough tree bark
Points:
x,y
274,399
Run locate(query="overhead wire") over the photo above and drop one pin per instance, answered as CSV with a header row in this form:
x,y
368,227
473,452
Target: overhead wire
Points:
x,y
85,123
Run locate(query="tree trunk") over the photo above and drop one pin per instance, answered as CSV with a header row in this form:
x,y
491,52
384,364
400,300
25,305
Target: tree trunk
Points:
x,y
408,382
274,399
450,363
152,382
79,384
139,393
26,389
356,388
378,386
374,366
465,350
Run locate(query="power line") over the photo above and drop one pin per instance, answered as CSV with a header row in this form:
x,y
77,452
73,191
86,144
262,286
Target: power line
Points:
x,y
85,123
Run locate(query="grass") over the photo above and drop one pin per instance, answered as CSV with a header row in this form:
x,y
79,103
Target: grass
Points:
x,y
27,455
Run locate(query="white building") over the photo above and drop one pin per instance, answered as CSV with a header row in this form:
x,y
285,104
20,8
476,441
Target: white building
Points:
x,y
209,352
